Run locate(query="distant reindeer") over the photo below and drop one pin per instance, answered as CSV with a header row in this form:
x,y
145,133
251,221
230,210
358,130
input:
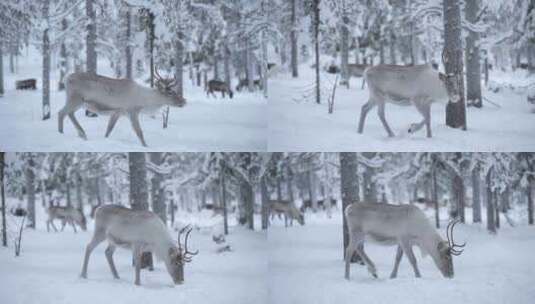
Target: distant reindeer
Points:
x,y
418,85
356,70
140,231
218,86
244,83
403,226
115,97
288,209
322,204
67,215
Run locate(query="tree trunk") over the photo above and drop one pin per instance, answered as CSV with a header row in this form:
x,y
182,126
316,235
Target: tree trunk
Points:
x,y
157,189
435,194
68,193
349,183
473,66
293,41
393,59
30,189
491,226
226,65
2,90
459,195
151,38
179,60
63,58
289,187
128,50
264,64
497,203
91,43
265,206
247,197
529,191
46,64
139,192
79,198
91,38
317,47
344,51
476,198
455,111
3,198
224,199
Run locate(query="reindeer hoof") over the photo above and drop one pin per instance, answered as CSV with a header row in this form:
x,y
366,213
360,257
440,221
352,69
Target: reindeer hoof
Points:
x,y
374,275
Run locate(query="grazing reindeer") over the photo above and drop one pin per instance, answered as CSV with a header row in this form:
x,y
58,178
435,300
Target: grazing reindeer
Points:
x,y
288,209
67,215
419,85
115,97
402,225
140,231
218,86
244,83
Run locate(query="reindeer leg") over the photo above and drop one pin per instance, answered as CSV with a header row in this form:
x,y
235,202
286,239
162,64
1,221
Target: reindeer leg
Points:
x,y
109,256
399,255
424,108
63,223
350,251
111,124
364,112
367,260
134,119
71,106
98,237
74,227
407,248
137,260
53,226
381,113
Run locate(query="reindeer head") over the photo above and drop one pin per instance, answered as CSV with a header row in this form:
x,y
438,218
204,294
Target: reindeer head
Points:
x,y
447,249
178,257
450,81
166,86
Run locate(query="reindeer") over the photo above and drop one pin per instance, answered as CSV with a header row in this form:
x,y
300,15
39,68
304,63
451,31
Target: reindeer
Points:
x,y
356,70
244,83
140,231
402,225
419,85
115,97
218,86
68,215
288,209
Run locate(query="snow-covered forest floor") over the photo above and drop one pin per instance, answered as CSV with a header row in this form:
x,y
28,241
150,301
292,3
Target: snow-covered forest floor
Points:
x,y
204,124
306,266
49,266
299,124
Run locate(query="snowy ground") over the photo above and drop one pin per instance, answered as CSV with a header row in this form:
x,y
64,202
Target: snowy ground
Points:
x,y
204,124
302,125
48,272
306,266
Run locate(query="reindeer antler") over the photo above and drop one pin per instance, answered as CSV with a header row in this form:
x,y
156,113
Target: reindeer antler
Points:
x,y
451,242
158,77
186,255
